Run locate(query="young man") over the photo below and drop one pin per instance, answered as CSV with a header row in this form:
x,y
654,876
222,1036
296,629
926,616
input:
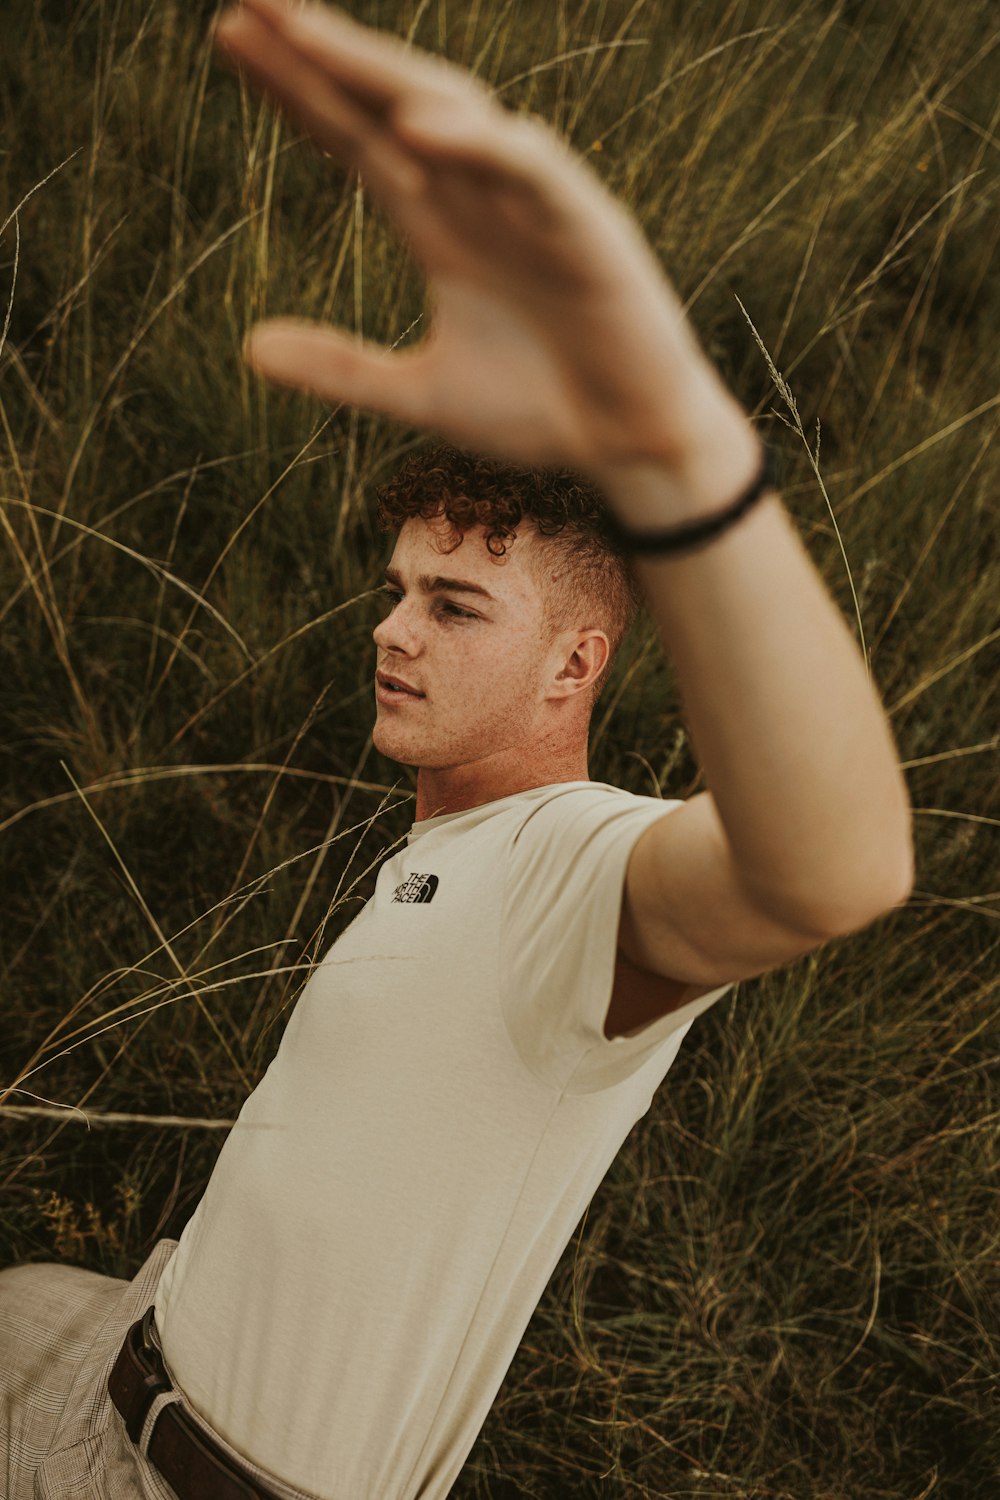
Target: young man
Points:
x,y
465,1062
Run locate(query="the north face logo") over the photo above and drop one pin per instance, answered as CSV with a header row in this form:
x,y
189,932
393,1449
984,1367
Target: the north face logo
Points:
x,y
416,888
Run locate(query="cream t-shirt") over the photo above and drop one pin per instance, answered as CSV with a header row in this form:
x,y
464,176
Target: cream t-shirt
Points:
x,y
390,1205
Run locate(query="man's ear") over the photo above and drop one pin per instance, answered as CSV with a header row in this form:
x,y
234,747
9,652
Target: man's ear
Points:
x,y
586,658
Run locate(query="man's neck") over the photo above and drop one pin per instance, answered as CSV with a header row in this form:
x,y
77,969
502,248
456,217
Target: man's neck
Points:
x,y
442,791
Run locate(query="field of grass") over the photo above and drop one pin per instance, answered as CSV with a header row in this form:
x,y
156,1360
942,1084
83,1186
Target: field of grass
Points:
x,y
787,1286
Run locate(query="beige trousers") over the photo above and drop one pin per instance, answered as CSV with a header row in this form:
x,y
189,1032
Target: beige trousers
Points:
x,y
61,1437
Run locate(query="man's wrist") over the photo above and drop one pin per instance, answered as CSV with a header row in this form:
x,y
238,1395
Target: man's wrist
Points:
x,y
722,461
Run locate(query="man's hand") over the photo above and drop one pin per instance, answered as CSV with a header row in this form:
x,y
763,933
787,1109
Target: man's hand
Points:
x,y
555,337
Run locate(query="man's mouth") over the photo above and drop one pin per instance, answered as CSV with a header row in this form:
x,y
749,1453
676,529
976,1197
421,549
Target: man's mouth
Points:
x,y
393,690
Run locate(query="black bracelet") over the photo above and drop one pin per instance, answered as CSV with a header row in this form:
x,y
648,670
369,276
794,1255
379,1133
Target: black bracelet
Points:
x,y
693,534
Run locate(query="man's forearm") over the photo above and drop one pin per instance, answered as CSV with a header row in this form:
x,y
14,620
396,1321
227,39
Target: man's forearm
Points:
x,y
792,738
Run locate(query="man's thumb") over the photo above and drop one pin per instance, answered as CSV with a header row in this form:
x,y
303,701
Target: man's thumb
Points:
x,y
337,366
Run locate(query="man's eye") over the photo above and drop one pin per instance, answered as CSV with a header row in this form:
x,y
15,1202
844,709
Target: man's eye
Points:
x,y
394,596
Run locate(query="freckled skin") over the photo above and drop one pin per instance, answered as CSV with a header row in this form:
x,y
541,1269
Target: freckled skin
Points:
x,y
505,709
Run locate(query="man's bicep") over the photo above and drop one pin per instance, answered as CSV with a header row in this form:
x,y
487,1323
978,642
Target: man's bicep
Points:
x,y
686,914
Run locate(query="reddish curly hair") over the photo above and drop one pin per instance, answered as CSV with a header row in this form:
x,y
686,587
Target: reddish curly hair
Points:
x,y
595,587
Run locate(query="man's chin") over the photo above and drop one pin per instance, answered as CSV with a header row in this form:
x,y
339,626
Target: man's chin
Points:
x,y
388,741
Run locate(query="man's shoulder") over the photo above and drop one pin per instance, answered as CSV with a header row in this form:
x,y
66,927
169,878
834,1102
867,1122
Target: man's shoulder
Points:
x,y
590,801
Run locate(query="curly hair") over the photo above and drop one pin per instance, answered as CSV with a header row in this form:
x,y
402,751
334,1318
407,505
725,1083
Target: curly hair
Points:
x,y
591,587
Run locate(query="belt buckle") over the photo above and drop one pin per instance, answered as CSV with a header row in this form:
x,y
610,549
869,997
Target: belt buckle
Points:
x,y
148,1377
146,1323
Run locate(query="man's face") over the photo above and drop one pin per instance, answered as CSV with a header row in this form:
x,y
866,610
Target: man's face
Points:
x,y
479,662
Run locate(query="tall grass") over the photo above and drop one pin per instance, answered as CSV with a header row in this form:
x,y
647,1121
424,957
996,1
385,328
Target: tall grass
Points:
x,y
787,1285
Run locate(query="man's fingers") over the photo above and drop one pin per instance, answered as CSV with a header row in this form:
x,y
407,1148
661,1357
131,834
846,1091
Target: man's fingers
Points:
x,y
342,127
303,90
338,367
515,156
374,65
438,110
360,91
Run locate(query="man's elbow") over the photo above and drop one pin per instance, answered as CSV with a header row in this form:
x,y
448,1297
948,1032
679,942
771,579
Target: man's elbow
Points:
x,y
838,918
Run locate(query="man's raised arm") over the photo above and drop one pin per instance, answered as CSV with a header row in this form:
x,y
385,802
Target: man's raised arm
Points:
x,y
557,339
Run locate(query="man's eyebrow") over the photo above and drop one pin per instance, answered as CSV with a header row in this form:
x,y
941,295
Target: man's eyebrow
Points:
x,y
438,585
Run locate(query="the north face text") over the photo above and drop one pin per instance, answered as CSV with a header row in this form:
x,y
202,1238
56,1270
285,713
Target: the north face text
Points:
x,y
416,888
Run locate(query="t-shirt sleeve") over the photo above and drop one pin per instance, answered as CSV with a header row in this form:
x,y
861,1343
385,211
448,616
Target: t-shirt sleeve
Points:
x,y
565,877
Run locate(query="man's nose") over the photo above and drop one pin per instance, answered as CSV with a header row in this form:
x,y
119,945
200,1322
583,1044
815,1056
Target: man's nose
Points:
x,y
395,632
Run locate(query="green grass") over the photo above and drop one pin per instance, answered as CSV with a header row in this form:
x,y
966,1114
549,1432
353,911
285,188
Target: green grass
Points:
x,y
787,1285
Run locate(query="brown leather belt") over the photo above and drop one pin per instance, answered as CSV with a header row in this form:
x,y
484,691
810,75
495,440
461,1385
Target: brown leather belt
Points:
x,y
195,1467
